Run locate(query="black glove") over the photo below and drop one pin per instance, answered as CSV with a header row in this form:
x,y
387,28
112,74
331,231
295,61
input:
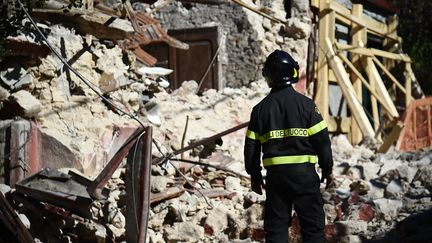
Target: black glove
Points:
x,y
257,186
329,180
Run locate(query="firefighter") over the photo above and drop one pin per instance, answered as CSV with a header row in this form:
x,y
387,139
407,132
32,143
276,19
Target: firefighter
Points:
x,y
289,130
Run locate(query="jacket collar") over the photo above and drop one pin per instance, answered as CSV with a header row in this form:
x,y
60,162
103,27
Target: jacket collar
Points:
x,y
285,87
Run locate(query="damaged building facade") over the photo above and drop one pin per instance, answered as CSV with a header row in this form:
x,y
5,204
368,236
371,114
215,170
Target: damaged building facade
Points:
x,y
244,37
137,134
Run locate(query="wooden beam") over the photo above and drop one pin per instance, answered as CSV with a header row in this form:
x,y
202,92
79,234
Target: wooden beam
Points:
x,y
94,24
348,91
314,3
169,193
326,30
358,38
339,124
366,84
408,83
332,77
375,113
387,72
392,31
402,56
371,25
373,74
392,137
217,193
372,52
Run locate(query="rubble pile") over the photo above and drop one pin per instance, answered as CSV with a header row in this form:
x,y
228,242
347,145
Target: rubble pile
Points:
x,y
374,194
200,195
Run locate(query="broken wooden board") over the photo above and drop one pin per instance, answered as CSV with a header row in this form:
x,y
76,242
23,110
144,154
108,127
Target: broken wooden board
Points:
x,y
99,24
348,91
22,48
217,193
169,193
391,138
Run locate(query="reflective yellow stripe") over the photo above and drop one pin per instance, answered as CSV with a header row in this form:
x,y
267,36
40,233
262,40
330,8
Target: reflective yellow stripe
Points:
x,y
295,73
293,159
317,128
291,132
252,135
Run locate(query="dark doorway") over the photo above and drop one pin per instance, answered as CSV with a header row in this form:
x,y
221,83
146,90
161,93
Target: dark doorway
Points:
x,y
189,64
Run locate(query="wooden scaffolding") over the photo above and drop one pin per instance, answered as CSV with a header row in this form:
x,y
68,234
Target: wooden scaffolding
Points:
x,y
361,71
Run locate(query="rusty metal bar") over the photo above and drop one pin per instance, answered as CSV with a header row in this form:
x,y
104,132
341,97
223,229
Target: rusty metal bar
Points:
x,y
201,142
97,185
212,166
208,69
172,192
12,221
79,204
145,184
137,180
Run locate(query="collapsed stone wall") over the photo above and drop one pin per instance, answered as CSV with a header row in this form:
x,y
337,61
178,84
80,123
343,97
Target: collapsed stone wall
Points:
x,y
372,193
246,38
68,112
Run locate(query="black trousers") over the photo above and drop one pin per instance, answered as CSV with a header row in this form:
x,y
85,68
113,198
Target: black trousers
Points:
x,y
293,185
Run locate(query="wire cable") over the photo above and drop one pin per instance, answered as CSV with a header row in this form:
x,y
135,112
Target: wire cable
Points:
x,y
79,75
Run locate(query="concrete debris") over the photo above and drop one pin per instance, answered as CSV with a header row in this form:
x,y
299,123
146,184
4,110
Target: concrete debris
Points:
x,y
158,183
297,28
152,110
407,173
159,71
25,103
369,192
4,188
114,216
4,94
388,208
163,83
184,232
24,220
209,201
217,220
394,190
424,177
351,227
15,77
91,231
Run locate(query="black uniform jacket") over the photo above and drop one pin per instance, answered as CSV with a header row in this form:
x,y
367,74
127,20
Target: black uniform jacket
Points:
x,y
289,129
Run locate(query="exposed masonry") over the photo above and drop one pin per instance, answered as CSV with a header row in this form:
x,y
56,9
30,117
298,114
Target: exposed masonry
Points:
x,y
246,37
373,191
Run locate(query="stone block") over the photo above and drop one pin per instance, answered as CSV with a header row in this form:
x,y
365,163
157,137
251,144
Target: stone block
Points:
x,y
184,232
424,175
256,232
25,103
350,227
407,172
350,239
388,208
158,183
394,190
4,94
217,220
367,212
